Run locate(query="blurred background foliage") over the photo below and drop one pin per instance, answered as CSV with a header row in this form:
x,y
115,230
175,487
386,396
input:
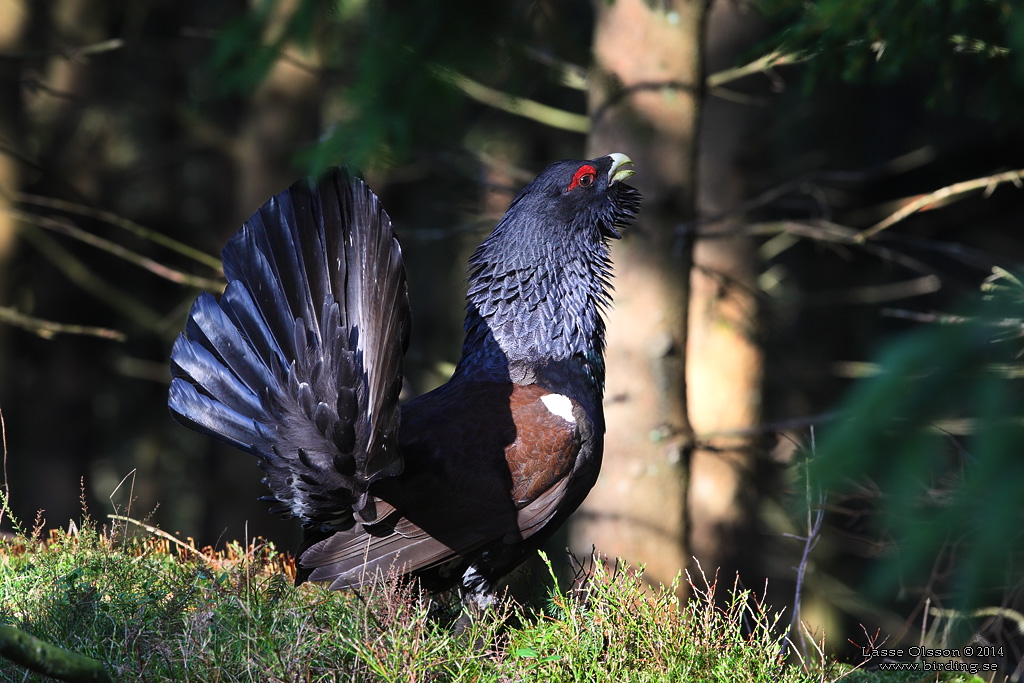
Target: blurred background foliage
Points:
x,y
118,117
935,434
947,44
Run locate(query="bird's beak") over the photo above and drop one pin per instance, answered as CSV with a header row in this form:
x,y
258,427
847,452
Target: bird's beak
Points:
x,y
617,172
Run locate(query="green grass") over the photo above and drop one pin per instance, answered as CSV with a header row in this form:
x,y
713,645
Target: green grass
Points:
x,y
155,611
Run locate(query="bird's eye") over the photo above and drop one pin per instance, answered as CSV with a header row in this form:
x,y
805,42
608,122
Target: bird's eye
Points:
x,y
584,177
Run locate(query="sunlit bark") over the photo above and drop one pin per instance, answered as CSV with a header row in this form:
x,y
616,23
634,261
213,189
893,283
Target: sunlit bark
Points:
x,y
644,101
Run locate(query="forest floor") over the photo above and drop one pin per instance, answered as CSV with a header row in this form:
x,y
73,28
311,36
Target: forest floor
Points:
x,y
142,605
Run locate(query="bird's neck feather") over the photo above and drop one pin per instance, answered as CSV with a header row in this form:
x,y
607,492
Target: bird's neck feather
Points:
x,y
536,310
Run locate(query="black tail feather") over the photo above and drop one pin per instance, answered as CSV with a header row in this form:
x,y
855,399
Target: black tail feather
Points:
x,y
300,363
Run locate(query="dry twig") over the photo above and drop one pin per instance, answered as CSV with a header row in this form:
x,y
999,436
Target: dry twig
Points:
x,y
48,329
157,531
71,230
84,277
988,183
7,486
124,224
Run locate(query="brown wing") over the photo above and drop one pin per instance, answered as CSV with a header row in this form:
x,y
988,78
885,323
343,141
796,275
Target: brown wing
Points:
x,y
485,463
545,447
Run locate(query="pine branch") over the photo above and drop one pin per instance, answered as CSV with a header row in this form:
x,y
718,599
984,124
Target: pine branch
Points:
x,y
760,65
519,106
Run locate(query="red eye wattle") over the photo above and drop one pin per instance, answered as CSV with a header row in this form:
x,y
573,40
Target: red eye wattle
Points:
x,y
584,177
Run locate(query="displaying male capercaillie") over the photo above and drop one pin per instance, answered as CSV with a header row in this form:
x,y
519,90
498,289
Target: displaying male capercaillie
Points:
x,y
300,364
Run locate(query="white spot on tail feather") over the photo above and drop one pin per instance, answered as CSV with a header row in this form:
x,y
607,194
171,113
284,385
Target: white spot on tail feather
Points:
x,y
477,591
559,405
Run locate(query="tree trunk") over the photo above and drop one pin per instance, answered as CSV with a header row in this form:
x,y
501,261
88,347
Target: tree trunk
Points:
x,y
644,100
724,368
12,29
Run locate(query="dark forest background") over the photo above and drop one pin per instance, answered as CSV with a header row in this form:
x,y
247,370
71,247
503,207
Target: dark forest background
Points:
x,y
773,305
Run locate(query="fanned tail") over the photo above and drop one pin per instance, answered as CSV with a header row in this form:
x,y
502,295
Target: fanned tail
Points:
x,y
300,362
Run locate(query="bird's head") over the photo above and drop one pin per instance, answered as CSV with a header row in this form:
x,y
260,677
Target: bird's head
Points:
x,y
538,283
588,197
566,213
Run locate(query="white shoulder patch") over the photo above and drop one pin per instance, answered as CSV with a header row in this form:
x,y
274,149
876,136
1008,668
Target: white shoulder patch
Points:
x,y
559,405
